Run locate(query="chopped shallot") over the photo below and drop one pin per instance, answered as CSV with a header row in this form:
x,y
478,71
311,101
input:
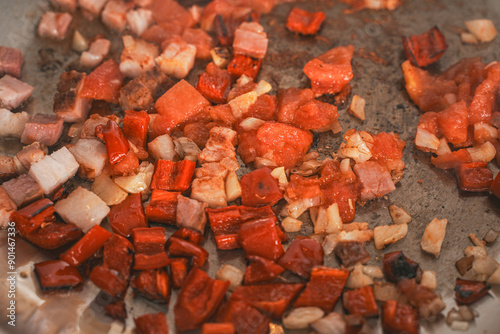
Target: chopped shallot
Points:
x,y
221,56
357,278
177,59
434,236
332,323
233,187
429,279
399,215
389,234
468,38
230,273
291,224
482,29
139,182
484,152
357,107
99,48
301,317
107,190
139,20
12,124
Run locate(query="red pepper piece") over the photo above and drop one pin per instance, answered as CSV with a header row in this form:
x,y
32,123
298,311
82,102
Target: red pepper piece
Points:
x,y
304,22
117,255
425,49
162,207
58,194
116,143
467,292
259,237
181,247
224,328
116,310
198,299
189,235
272,299
214,84
57,274
54,235
127,215
260,188
135,128
474,176
397,266
149,240
179,270
261,270
155,261
153,284
245,318
361,301
173,176
302,255
495,186
91,242
324,288
103,83
400,318
244,65
126,166
109,280
151,324
31,217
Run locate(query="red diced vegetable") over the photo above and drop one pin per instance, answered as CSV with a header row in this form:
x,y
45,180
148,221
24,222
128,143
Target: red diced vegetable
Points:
x,y
242,64
239,313
149,240
117,254
181,247
259,238
260,188
54,235
387,147
117,145
135,128
474,176
162,207
453,123
57,274
126,166
153,323
361,301
214,84
153,284
103,83
302,255
179,271
127,215
155,261
397,266
304,22
31,217
261,270
173,176
324,288
58,194
91,242
451,160
198,299
467,292
425,49
224,328
495,186
400,318
189,235
108,280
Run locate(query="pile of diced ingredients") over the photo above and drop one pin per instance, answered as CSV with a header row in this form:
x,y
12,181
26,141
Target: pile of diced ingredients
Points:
x,y
151,149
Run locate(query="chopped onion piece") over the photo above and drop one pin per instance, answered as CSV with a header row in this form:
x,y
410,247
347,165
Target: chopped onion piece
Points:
x,y
299,206
263,162
484,131
330,242
478,242
251,123
107,190
388,234
301,317
233,187
426,141
484,152
138,183
373,271
484,265
475,251
291,224
243,80
468,38
453,315
280,174
230,273
490,236
399,215
443,148
465,313
384,291
482,29
345,165
240,104
334,222
332,323
357,279
429,279
221,56
80,43
458,325
357,107
434,236
495,277
263,87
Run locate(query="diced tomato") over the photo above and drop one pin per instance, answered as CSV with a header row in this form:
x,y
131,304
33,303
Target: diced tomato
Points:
x,y
178,270
302,255
425,49
108,280
474,176
178,104
117,145
162,207
149,240
181,247
453,122
397,266
154,261
198,299
259,188
54,235
91,242
173,176
324,288
304,22
135,128
400,318
468,292
482,104
261,270
387,147
200,39
273,299
153,284
172,12
244,318
189,235
259,237
214,84
316,116
117,255
57,274
223,328
495,186
127,215
264,108
31,217
103,83
331,71
241,64
361,301
289,100
151,324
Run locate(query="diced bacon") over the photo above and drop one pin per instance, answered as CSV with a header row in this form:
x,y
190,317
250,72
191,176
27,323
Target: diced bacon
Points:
x,y
219,146
171,11
482,104
201,40
139,20
162,147
375,180
331,71
68,103
91,155
191,213
250,39
163,33
211,169
54,25
92,7
28,155
7,207
210,190
304,22
103,83
11,61
99,49
82,208
8,168
88,129
43,128
137,56
13,92
425,49
12,124
214,84
113,15
177,59
23,190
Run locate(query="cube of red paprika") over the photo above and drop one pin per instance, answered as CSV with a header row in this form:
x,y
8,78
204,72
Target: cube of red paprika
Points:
x,y
189,235
179,270
151,323
361,301
162,207
135,128
211,328
244,65
302,255
108,280
149,240
173,176
154,261
31,217
181,247
214,84
259,188
304,22
400,318
127,215
474,176
425,49
259,237
116,143
153,284
261,270
57,274
91,242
